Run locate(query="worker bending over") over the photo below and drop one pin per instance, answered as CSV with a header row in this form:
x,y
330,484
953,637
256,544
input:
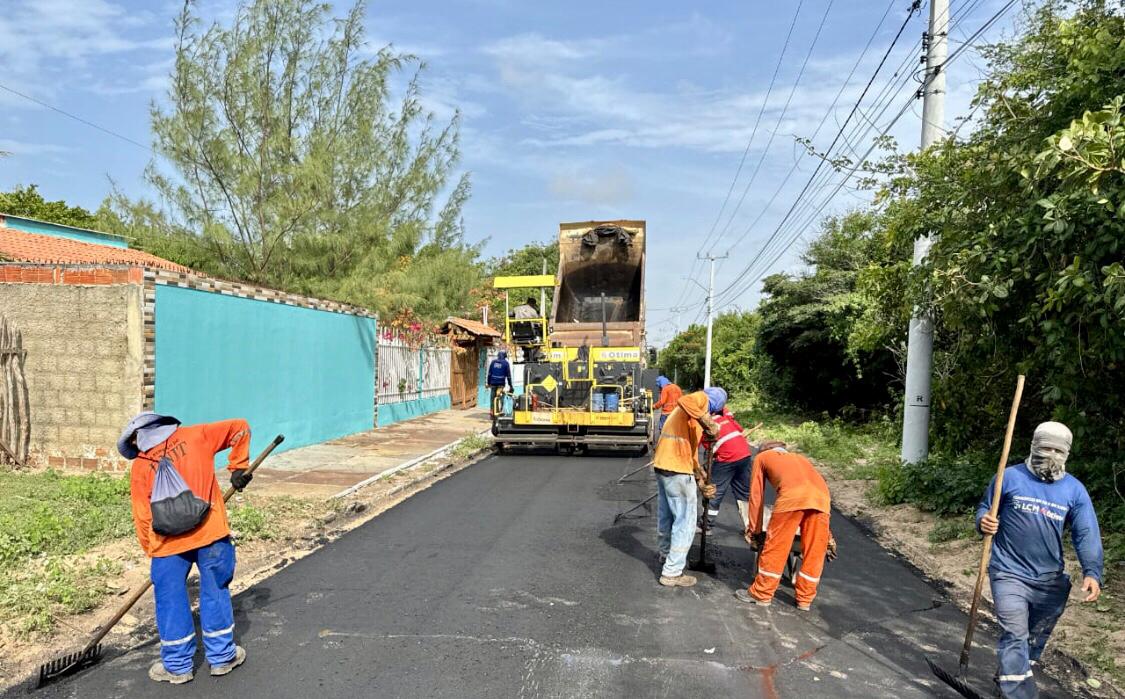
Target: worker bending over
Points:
x,y
181,520
678,472
730,467
1038,499
670,395
802,503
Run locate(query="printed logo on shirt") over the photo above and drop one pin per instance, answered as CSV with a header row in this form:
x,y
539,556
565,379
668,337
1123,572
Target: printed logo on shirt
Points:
x,y
1045,508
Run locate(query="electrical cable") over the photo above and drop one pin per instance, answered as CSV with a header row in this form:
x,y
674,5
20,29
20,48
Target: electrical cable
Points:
x,y
906,107
91,124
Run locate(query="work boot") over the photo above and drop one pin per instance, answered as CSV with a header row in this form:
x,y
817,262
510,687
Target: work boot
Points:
x,y
804,607
159,673
743,595
225,668
680,580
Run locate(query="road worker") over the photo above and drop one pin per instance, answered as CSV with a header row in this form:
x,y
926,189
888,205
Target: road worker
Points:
x,y
499,375
670,395
802,503
730,467
678,473
527,310
1038,499
188,529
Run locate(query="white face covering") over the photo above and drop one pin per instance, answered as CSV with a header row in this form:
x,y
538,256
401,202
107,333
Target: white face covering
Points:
x,y
1050,446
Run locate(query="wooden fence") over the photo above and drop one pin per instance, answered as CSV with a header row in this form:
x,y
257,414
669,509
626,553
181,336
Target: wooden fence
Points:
x,y
15,420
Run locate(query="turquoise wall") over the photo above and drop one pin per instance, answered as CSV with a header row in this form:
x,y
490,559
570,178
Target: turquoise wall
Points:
x,y
307,374
390,413
30,225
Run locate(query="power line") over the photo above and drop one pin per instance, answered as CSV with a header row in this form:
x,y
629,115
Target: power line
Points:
x,y
905,108
53,108
910,15
773,133
746,151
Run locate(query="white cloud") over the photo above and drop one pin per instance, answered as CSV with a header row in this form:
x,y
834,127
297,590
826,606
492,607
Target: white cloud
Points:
x,y
14,147
46,43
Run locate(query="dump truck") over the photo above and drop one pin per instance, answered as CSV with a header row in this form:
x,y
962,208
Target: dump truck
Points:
x,y
586,381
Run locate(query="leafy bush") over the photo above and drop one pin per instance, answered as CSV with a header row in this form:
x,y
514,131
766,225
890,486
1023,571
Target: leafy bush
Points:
x,y
250,522
943,484
952,529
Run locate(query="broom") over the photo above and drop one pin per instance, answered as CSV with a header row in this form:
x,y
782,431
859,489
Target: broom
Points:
x,y
956,681
92,651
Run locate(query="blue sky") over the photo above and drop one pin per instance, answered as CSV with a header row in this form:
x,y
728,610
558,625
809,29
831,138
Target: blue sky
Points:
x,y
572,111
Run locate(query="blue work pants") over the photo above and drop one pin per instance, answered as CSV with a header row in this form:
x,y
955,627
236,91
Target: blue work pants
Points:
x,y
728,475
1027,611
677,496
173,608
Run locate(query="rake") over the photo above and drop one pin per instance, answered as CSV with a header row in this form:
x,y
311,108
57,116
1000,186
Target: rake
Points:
x,y
91,653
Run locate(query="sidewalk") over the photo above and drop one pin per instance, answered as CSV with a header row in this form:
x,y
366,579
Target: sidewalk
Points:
x,y
330,468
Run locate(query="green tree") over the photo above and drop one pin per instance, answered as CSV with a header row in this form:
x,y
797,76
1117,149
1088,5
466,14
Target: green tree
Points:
x,y
295,165
807,320
28,202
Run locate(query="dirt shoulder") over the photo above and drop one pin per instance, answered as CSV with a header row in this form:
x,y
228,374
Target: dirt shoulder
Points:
x,y
271,532
1088,644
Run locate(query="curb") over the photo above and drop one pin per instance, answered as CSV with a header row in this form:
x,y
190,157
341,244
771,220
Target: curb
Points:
x,y
406,465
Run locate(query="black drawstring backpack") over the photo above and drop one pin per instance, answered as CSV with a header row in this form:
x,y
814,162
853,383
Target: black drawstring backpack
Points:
x,y
175,508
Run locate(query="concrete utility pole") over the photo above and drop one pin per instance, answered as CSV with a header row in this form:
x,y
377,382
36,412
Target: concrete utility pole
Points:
x,y
920,344
710,315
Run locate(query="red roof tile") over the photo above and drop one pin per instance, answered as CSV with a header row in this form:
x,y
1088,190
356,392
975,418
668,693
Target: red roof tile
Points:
x,y
18,246
472,326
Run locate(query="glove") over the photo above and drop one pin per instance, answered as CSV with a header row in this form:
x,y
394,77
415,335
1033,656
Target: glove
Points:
x,y
756,541
708,490
832,553
240,479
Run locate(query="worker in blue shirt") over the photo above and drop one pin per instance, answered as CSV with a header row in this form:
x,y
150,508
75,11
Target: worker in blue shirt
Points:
x,y
1029,585
499,374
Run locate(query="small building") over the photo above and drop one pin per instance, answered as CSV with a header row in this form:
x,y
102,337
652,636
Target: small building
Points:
x,y
106,331
470,341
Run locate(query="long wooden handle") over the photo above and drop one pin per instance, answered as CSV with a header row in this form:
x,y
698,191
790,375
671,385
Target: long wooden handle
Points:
x,y
256,463
986,551
136,594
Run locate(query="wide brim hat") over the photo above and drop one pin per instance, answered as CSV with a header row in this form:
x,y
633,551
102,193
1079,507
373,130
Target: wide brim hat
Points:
x,y
153,429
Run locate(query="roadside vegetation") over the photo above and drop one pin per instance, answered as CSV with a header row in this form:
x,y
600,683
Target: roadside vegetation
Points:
x,y
47,522
1027,203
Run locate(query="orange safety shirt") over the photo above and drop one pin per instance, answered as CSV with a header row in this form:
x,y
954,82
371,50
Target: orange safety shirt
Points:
x,y
798,484
192,451
678,447
670,397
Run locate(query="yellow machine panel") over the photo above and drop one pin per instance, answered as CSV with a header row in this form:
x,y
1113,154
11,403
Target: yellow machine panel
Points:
x,y
567,417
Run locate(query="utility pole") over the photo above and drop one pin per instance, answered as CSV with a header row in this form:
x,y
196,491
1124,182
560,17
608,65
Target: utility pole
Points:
x,y
920,343
710,315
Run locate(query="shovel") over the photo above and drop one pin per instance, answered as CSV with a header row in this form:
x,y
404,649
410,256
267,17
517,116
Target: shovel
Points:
x,y
701,564
92,651
957,682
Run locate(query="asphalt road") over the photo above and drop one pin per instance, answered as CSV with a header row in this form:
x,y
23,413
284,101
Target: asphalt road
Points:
x,y
511,579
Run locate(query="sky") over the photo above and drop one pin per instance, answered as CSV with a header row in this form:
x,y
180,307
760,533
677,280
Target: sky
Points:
x,y
571,111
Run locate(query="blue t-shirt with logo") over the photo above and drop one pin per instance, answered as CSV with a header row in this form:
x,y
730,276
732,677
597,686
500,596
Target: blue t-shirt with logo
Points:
x,y
1032,516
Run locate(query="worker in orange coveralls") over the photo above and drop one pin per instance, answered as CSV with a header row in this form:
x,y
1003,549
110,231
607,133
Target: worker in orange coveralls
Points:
x,y
803,503
157,443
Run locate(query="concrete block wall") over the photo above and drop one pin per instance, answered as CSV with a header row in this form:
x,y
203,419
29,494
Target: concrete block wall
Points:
x,y
83,332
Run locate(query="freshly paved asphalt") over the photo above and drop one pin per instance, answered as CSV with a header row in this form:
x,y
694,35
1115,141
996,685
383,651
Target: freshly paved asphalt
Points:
x,y
511,579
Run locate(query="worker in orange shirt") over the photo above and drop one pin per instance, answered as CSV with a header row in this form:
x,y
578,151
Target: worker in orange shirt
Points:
x,y
678,473
803,503
670,395
181,520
